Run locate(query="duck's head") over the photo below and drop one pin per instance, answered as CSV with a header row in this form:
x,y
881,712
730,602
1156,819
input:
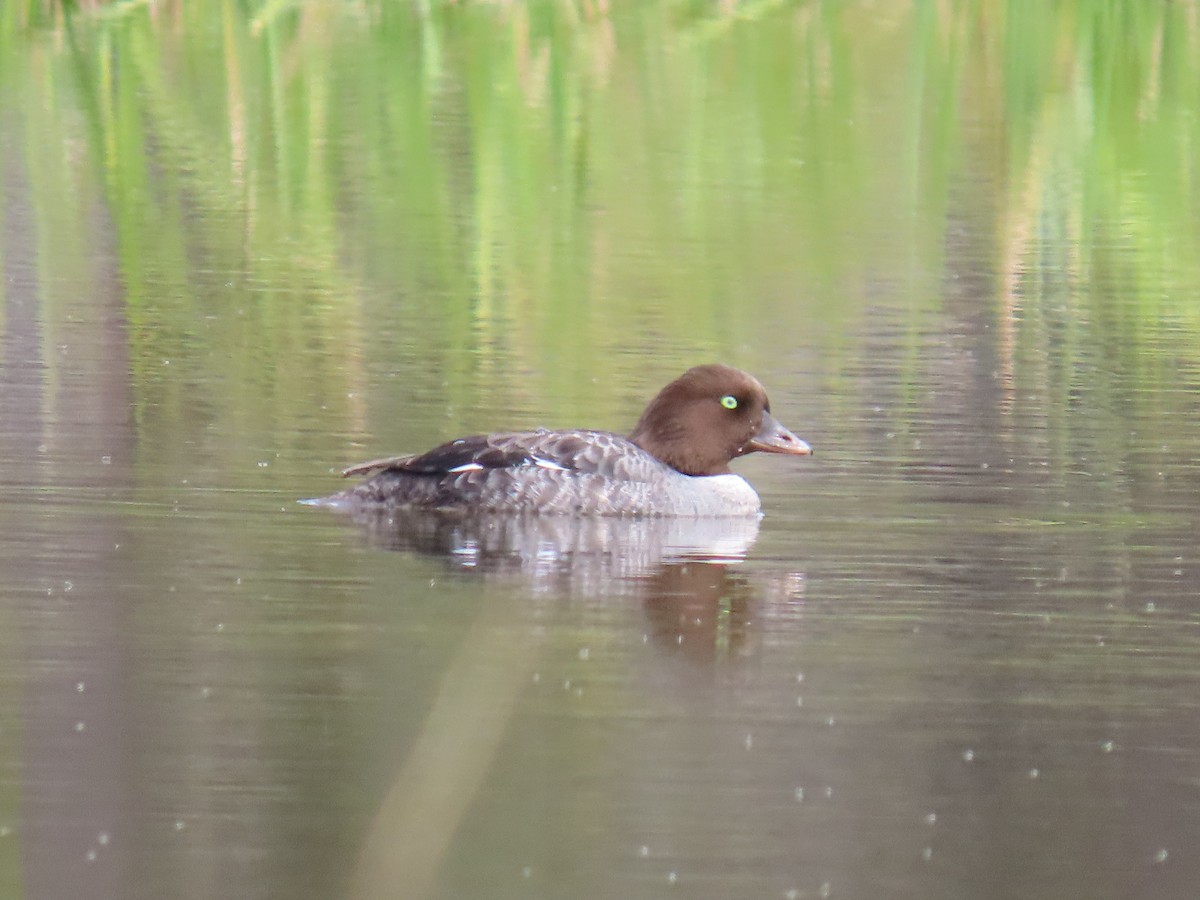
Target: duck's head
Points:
x,y
708,416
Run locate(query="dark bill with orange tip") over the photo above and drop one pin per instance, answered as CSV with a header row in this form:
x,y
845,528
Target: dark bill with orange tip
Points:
x,y
774,438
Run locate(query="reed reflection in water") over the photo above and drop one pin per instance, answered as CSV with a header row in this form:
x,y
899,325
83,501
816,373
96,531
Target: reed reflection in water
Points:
x,y
677,569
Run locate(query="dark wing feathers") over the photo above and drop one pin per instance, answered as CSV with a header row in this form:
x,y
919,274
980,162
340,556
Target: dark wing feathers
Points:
x,y
391,462
480,451
585,452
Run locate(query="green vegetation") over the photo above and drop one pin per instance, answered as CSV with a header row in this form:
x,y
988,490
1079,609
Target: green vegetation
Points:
x,y
571,189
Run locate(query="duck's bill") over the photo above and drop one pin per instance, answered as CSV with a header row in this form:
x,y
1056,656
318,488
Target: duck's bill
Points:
x,y
774,438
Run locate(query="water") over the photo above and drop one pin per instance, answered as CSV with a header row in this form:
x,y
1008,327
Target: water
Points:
x,y
958,657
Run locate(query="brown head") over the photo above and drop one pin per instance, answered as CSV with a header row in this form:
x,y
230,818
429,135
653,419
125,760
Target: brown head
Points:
x,y
708,416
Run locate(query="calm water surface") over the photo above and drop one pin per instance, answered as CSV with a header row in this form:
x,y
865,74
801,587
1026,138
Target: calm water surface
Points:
x,y
958,657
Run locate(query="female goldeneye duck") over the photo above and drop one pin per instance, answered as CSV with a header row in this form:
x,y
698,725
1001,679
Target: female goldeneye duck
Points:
x,y
674,463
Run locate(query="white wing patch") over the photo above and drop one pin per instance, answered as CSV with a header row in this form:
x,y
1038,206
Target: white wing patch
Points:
x,y
547,464
466,467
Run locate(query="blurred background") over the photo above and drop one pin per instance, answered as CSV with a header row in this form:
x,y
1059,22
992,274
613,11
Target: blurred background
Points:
x,y
246,244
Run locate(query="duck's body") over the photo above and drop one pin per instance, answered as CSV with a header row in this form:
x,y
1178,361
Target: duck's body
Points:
x,y
550,472
675,463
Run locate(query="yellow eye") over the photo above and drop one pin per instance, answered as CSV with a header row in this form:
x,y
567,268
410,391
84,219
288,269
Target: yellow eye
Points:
x,y
729,401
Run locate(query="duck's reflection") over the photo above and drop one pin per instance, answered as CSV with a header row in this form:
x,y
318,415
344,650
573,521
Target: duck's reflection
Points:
x,y
606,547
698,609
679,568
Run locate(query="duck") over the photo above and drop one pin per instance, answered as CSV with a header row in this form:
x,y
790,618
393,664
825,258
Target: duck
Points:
x,y
675,462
